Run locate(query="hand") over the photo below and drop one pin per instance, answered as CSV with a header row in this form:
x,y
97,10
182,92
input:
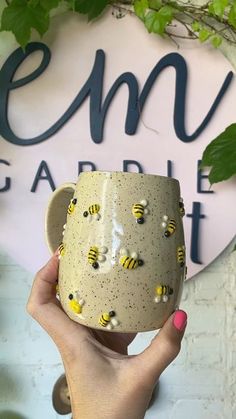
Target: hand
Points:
x,y
104,382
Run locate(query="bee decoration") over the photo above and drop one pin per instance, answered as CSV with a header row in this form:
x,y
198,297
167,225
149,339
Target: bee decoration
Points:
x,y
169,225
139,210
96,255
64,229
181,207
181,255
108,320
76,303
61,251
129,261
93,212
71,206
162,293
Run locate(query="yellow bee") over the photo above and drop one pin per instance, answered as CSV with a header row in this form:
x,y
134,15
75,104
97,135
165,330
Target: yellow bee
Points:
x,y
138,211
129,261
76,303
61,250
93,212
96,255
108,321
181,207
71,206
181,255
169,225
162,293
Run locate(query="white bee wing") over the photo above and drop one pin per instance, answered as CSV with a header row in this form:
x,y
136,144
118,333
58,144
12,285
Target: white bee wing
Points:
x,y
165,217
157,299
163,224
104,249
123,251
144,202
146,211
134,255
109,326
164,298
101,258
97,216
114,322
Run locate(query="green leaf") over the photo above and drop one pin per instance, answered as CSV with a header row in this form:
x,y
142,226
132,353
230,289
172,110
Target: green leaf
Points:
x,y
49,4
232,15
166,12
234,248
155,4
220,154
217,7
195,26
33,3
157,21
92,8
140,8
204,35
149,20
20,17
216,41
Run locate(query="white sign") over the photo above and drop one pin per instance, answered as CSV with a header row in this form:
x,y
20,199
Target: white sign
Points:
x,y
157,131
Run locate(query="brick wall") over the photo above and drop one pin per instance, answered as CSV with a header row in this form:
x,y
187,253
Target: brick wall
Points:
x,y
200,384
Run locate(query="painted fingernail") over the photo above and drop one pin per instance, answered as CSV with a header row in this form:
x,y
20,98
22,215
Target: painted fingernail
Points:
x,y
180,320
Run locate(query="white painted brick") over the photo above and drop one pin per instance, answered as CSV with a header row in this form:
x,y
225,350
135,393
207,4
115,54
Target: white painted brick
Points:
x,y
205,318
210,288
206,350
14,283
197,409
193,382
20,336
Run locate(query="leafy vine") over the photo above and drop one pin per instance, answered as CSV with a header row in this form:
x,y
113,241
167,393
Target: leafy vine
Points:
x,y
214,21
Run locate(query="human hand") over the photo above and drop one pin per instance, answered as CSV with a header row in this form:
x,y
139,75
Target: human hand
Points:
x,y
104,382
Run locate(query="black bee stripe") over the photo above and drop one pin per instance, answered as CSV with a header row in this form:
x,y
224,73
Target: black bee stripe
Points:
x,y
138,206
138,212
127,258
92,251
130,262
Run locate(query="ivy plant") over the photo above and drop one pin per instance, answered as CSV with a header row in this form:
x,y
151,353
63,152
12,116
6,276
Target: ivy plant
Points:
x,y
213,22
220,155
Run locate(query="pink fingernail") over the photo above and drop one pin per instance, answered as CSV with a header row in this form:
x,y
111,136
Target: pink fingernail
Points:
x,y
180,320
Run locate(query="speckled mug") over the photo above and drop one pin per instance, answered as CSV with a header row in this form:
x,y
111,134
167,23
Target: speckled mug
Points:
x,y
121,249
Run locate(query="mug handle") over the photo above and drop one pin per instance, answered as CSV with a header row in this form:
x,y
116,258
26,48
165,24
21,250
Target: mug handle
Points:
x,y
56,215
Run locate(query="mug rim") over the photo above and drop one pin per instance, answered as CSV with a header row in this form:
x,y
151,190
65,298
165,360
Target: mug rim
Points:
x,y
117,172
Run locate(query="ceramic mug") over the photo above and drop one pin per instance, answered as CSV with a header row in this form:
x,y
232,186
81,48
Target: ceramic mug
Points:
x,y
121,249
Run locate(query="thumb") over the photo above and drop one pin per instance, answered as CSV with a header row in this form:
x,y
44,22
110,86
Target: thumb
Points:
x,y
164,347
